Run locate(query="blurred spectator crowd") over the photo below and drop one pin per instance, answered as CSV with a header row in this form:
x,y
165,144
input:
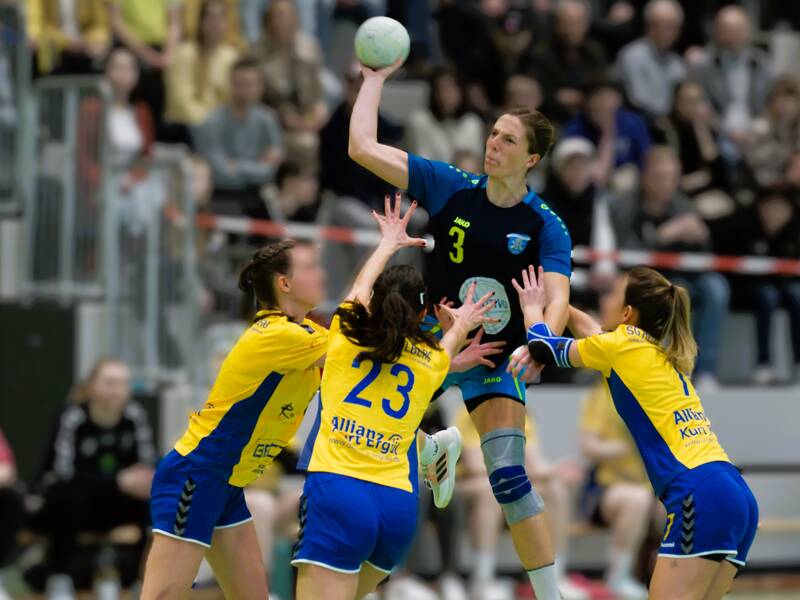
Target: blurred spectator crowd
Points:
x,y
679,121
679,131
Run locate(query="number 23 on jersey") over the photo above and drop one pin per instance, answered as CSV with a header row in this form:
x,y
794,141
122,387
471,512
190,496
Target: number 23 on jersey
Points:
x,y
401,372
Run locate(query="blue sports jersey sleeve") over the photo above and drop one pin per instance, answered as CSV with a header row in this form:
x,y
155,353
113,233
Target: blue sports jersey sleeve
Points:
x,y
555,244
433,182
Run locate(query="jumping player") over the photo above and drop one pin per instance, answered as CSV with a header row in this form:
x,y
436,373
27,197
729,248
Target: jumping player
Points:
x,y
359,508
646,356
487,228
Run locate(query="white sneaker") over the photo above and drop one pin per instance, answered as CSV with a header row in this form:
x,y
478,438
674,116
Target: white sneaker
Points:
x,y
409,589
452,588
627,588
440,467
494,589
570,591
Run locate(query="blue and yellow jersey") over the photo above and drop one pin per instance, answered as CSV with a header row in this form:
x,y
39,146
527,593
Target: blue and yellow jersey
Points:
x,y
370,412
258,400
658,404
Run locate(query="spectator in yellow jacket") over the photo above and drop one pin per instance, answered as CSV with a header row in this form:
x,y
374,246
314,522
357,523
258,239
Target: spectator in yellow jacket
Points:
x,y
69,37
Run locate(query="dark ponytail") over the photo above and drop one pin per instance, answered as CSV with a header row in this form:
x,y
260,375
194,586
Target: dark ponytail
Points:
x,y
257,279
664,313
394,315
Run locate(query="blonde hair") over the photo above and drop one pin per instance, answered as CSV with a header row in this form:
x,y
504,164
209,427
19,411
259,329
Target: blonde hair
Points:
x,y
664,313
79,393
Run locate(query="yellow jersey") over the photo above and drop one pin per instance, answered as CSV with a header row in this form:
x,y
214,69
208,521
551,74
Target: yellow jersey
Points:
x,y
658,403
370,412
259,398
598,416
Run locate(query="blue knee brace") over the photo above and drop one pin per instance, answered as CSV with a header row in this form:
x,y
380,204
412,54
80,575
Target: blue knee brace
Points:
x,y
504,457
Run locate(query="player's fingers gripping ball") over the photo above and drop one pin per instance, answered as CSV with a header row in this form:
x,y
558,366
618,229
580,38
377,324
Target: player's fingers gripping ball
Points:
x,y
519,361
380,41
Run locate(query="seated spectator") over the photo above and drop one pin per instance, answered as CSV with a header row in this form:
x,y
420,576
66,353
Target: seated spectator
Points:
x,y
242,143
68,37
340,174
569,189
567,61
193,19
692,132
198,80
291,64
774,230
96,477
11,508
736,75
571,192
620,136
617,494
658,216
130,135
522,91
775,135
485,519
151,31
445,126
470,162
648,68
294,195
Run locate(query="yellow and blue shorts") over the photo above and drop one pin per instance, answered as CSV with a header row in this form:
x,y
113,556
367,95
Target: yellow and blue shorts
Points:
x,y
711,513
188,502
346,522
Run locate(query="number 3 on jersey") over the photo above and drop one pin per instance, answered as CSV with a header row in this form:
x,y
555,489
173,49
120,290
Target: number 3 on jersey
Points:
x,y
457,253
404,390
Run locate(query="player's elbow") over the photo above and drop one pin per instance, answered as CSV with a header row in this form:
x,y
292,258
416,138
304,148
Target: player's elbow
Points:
x,y
359,150
542,353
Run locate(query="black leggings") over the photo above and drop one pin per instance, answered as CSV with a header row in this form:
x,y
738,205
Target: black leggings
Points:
x,y
69,510
11,516
766,298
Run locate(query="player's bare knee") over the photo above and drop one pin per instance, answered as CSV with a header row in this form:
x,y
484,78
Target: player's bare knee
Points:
x,y
504,456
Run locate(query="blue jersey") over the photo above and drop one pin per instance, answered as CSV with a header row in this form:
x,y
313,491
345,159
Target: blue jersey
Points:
x,y
479,241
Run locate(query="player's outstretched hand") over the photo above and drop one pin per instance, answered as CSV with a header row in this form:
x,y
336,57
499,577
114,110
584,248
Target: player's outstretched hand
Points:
x,y
522,365
473,312
531,292
475,354
381,74
393,226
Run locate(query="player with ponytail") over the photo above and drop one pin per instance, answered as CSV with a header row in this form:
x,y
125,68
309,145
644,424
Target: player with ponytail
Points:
x,y
254,409
646,352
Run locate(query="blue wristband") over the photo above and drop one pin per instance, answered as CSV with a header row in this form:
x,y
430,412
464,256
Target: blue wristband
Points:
x,y
547,348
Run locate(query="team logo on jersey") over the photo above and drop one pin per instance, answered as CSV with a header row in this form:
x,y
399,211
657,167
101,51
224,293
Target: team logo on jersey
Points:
x,y
517,242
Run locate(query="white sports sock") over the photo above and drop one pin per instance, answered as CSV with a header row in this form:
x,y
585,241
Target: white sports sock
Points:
x,y
544,583
484,566
620,564
561,567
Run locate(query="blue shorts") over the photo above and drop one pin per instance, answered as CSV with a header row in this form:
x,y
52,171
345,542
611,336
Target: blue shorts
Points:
x,y
710,511
188,502
480,383
345,522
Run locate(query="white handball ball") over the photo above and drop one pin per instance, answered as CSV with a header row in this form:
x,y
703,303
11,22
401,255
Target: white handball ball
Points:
x,y
380,41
